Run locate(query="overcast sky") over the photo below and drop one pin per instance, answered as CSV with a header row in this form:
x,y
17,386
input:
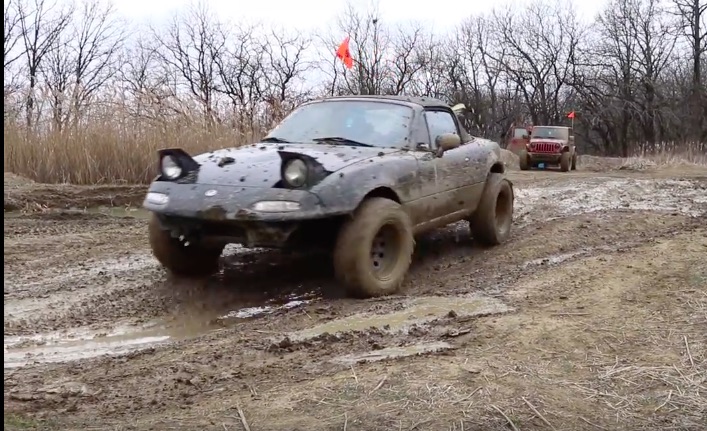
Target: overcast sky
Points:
x,y
312,14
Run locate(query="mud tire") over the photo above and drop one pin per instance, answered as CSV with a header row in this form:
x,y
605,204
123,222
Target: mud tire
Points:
x,y
524,160
574,162
491,223
353,263
191,261
565,161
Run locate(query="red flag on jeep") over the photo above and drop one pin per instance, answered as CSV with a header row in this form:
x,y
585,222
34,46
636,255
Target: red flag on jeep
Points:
x,y
571,115
344,54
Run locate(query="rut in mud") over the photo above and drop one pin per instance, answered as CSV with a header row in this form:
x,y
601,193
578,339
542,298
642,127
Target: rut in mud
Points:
x,y
91,320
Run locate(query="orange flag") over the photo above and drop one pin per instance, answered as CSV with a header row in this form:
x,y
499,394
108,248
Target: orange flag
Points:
x,y
571,115
344,54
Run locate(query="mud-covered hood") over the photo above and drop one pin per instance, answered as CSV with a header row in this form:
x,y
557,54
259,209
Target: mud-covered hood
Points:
x,y
258,165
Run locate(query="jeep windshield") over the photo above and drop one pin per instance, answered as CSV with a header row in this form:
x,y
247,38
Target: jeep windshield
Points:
x,y
346,122
543,132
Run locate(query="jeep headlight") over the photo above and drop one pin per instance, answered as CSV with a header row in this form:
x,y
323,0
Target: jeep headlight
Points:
x,y
170,168
295,173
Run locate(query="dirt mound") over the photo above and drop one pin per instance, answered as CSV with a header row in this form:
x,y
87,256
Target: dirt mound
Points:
x,y
617,163
510,160
14,180
24,194
12,183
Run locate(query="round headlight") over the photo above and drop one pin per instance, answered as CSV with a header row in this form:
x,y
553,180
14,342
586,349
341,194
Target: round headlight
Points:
x,y
295,173
170,169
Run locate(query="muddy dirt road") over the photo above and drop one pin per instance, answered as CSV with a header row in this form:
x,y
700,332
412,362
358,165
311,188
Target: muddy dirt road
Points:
x,y
594,316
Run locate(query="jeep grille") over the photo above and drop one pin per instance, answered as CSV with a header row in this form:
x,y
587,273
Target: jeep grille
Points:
x,y
545,147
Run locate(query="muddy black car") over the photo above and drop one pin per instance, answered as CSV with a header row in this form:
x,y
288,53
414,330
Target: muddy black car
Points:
x,y
359,176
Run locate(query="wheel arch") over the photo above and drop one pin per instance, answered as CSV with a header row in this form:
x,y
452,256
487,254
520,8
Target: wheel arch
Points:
x,y
381,192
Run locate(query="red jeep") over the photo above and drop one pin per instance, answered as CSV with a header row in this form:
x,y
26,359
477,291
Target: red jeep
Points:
x,y
549,145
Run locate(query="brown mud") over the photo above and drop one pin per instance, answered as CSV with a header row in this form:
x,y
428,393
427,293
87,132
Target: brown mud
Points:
x,y
593,316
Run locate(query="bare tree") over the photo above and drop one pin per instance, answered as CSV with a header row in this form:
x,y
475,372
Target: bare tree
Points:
x,y
285,65
541,42
12,35
189,46
241,77
41,24
635,75
96,38
693,21
57,71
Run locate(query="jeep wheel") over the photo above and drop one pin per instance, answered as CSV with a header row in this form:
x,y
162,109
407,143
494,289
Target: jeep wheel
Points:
x,y
565,161
491,223
374,249
180,260
574,161
524,160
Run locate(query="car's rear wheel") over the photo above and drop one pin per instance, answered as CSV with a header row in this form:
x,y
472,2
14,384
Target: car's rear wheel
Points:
x,y
565,160
374,249
524,160
187,261
491,222
574,161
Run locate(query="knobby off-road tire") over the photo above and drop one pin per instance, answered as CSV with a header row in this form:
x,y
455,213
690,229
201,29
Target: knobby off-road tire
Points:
x,y
574,161
524,160
191,261
374,249
491,223
565,161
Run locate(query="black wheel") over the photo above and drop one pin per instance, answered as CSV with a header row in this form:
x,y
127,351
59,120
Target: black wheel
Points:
x,y
491,223
565,160
574,161
524,160
181,260
374,249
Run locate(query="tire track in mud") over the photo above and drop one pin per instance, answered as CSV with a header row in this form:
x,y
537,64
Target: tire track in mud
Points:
x,y
112,305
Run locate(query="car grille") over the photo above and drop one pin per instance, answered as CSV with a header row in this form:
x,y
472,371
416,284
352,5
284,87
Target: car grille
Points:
x,y
545,147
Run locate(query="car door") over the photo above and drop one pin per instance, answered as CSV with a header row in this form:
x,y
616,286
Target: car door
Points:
x,y
445,175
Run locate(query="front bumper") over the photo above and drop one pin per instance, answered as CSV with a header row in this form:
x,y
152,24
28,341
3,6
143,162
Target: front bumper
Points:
x,y
545,157
231,203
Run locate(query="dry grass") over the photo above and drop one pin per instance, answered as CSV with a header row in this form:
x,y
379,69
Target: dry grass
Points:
x,y
123,151
105,154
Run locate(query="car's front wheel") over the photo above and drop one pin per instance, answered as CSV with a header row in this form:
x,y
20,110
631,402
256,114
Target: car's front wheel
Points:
x,y
374,249
181,260
491,222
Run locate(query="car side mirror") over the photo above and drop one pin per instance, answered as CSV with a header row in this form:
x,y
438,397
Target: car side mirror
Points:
x,y
446,142
572,138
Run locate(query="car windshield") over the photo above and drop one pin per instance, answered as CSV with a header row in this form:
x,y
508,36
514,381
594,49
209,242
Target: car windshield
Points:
x,y
550,133
346,122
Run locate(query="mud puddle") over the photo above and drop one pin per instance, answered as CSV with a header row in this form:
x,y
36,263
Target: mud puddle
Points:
x,y
564,257
393,353
271,307
549,202
83,343
414,312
